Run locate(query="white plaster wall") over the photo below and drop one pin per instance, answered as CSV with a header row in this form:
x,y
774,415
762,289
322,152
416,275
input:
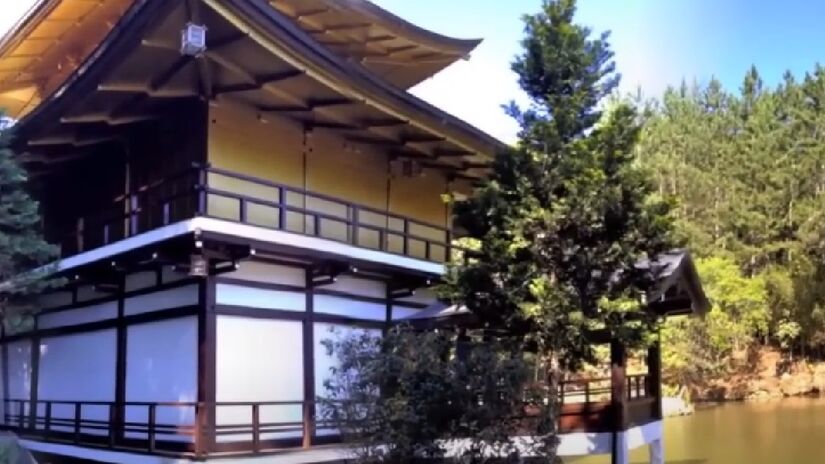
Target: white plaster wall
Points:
x,y
342,306
259,360
162,366
19,372
401,312
324,361
78,367
358,286
238,295
164,299
270,273
20,369
98,312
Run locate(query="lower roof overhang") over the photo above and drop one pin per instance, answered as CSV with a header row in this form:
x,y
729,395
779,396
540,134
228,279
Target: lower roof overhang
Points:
x,y
227,243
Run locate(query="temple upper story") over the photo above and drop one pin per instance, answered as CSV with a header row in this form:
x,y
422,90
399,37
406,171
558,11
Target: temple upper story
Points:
x,y
288,115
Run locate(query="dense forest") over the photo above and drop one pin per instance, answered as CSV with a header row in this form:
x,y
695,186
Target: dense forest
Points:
x,y
746,171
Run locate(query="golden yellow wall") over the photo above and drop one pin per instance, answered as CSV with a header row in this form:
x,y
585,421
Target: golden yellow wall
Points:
x,y
324,163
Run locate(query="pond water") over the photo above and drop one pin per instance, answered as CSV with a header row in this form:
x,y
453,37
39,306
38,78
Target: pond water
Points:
x,y
790,431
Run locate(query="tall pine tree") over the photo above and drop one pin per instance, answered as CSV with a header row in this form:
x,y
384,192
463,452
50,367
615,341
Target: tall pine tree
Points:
x,y
567,214
24,254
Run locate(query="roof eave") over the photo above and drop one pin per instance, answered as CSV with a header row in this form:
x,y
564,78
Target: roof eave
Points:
x,y
411,31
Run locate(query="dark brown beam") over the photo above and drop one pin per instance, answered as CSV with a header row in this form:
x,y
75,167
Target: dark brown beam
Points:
x,y
205,78
259,82
324,103
225,41
340,27
376,142
423,139
284,109
193,11
308,13
235,88
379,38
161,80
396,50
370,123
449,153
332,125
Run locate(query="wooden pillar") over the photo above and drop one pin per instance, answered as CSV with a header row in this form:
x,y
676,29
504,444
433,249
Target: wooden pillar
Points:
x,y
309,363
207,352
654,377
618,400
35,373
119,416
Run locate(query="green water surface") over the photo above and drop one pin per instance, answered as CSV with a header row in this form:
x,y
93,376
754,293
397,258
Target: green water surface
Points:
x,y
790,431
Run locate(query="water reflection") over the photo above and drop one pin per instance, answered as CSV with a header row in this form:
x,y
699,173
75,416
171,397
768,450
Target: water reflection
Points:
x,y
789,431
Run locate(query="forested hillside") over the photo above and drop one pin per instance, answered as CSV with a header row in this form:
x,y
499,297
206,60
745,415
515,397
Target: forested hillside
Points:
x,y
747,171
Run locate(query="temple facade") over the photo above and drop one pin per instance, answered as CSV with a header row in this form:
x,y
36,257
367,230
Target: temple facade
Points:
x,y
231,181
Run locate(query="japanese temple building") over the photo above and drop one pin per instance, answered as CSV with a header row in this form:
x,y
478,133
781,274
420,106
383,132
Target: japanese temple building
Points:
x,y
228,180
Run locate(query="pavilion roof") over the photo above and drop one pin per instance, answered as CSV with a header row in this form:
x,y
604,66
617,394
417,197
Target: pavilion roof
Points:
x,y
389,46
119,62
677,290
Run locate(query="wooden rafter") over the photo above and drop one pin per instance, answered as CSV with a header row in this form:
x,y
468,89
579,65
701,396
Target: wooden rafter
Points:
x,y
284,109
387,122
310,13
340,28
259,83
450,153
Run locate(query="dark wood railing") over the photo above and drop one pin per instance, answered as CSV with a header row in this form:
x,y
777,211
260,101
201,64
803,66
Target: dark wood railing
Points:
x,y
146,427
112,426
217,193
594,390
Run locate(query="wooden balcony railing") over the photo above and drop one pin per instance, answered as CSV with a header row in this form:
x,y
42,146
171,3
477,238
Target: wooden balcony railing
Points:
x,y
171,428
179,428
217,193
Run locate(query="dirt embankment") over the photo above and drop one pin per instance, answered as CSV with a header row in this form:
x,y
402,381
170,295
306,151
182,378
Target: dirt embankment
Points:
x,y
769,376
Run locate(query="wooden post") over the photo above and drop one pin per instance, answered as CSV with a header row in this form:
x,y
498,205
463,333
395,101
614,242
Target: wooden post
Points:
x,y
34,391
205,411
78,416
134,211
282,218
618,400
309,363
151,427
48,423
654,377
256,427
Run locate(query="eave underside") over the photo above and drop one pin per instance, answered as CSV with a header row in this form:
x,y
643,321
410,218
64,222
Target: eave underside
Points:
x,y
256,56
390,47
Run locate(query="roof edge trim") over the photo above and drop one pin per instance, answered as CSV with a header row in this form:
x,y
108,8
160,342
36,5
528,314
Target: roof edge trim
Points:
x,y
414,32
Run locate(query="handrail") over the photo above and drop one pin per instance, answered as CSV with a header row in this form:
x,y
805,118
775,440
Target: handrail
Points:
x,y
121,426
146,209
320,196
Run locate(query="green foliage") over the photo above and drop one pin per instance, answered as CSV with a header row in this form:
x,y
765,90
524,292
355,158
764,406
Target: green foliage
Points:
x,y
22,248
697,350
408,396
748,169
566,215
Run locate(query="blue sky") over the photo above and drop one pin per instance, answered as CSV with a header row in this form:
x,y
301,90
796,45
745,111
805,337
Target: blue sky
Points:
x,y
657,43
